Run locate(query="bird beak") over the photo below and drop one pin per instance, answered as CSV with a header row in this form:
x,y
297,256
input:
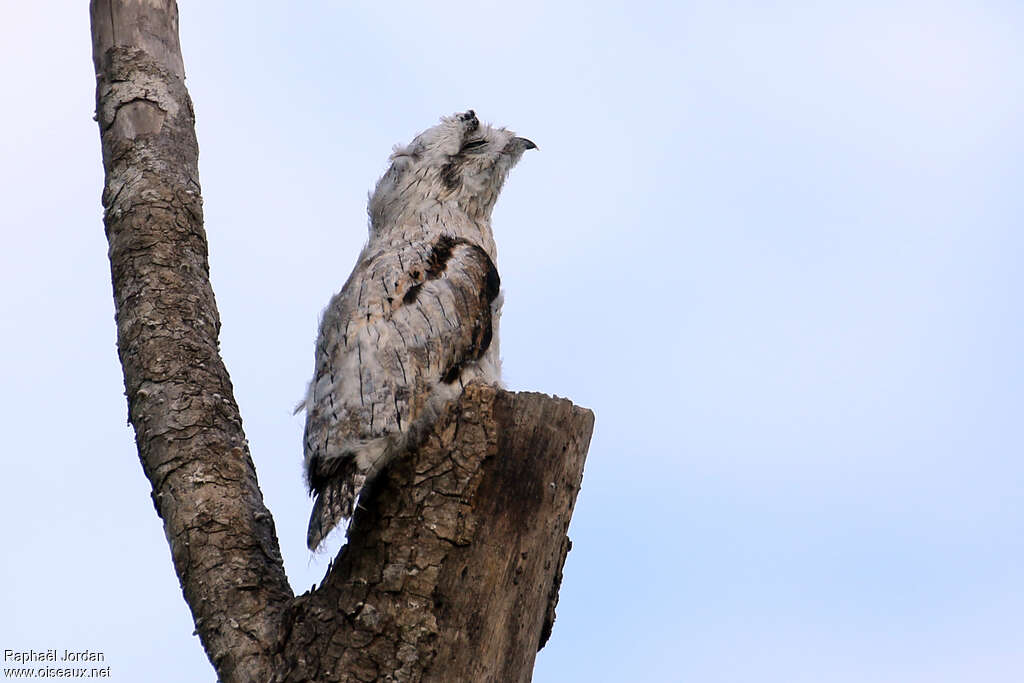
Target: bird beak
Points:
x,y
527,143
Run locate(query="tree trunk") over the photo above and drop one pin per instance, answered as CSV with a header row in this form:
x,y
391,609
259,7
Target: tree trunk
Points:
x,y
452,567
180,400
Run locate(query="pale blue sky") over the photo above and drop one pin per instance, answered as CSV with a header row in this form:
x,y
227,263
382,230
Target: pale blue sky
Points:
x,y
776,247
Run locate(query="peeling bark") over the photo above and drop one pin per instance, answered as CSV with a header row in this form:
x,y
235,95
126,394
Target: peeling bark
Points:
x,y
453,564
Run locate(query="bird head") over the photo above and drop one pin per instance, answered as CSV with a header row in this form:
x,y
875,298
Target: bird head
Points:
x,y
460,162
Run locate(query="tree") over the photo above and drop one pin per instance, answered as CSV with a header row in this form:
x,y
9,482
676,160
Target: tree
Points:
x,y
452,567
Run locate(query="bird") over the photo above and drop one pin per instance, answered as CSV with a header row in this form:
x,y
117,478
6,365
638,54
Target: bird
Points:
x,y
417,318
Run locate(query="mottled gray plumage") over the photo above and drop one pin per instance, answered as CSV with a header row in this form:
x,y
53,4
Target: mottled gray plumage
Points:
x,y
417,318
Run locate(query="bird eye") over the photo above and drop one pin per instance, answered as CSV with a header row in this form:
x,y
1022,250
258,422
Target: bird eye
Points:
x,y
473,144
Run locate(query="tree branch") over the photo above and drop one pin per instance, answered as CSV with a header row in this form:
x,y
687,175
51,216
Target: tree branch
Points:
x,y
180,401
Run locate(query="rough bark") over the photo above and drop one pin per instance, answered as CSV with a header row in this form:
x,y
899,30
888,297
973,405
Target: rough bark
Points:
x,y
180,400
453,564
451,568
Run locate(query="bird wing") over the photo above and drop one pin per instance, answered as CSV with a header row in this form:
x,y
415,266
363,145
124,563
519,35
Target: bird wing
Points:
x,y
400,332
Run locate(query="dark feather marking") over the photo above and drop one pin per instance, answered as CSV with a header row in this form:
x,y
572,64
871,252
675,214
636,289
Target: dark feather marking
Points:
x,y
485,338
444,313
412,293
430,325
492,280
482,332
401,365
440,253
359,352
451,173
465,299
402,336
452,374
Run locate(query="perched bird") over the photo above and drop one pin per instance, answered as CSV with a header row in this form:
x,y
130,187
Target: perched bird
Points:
x,y
417,318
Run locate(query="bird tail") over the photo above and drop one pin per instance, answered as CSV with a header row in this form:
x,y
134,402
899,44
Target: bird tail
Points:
x,y
337,482
333,503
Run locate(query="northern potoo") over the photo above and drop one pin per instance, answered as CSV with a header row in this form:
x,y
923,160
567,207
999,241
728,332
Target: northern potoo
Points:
x,y
417,318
